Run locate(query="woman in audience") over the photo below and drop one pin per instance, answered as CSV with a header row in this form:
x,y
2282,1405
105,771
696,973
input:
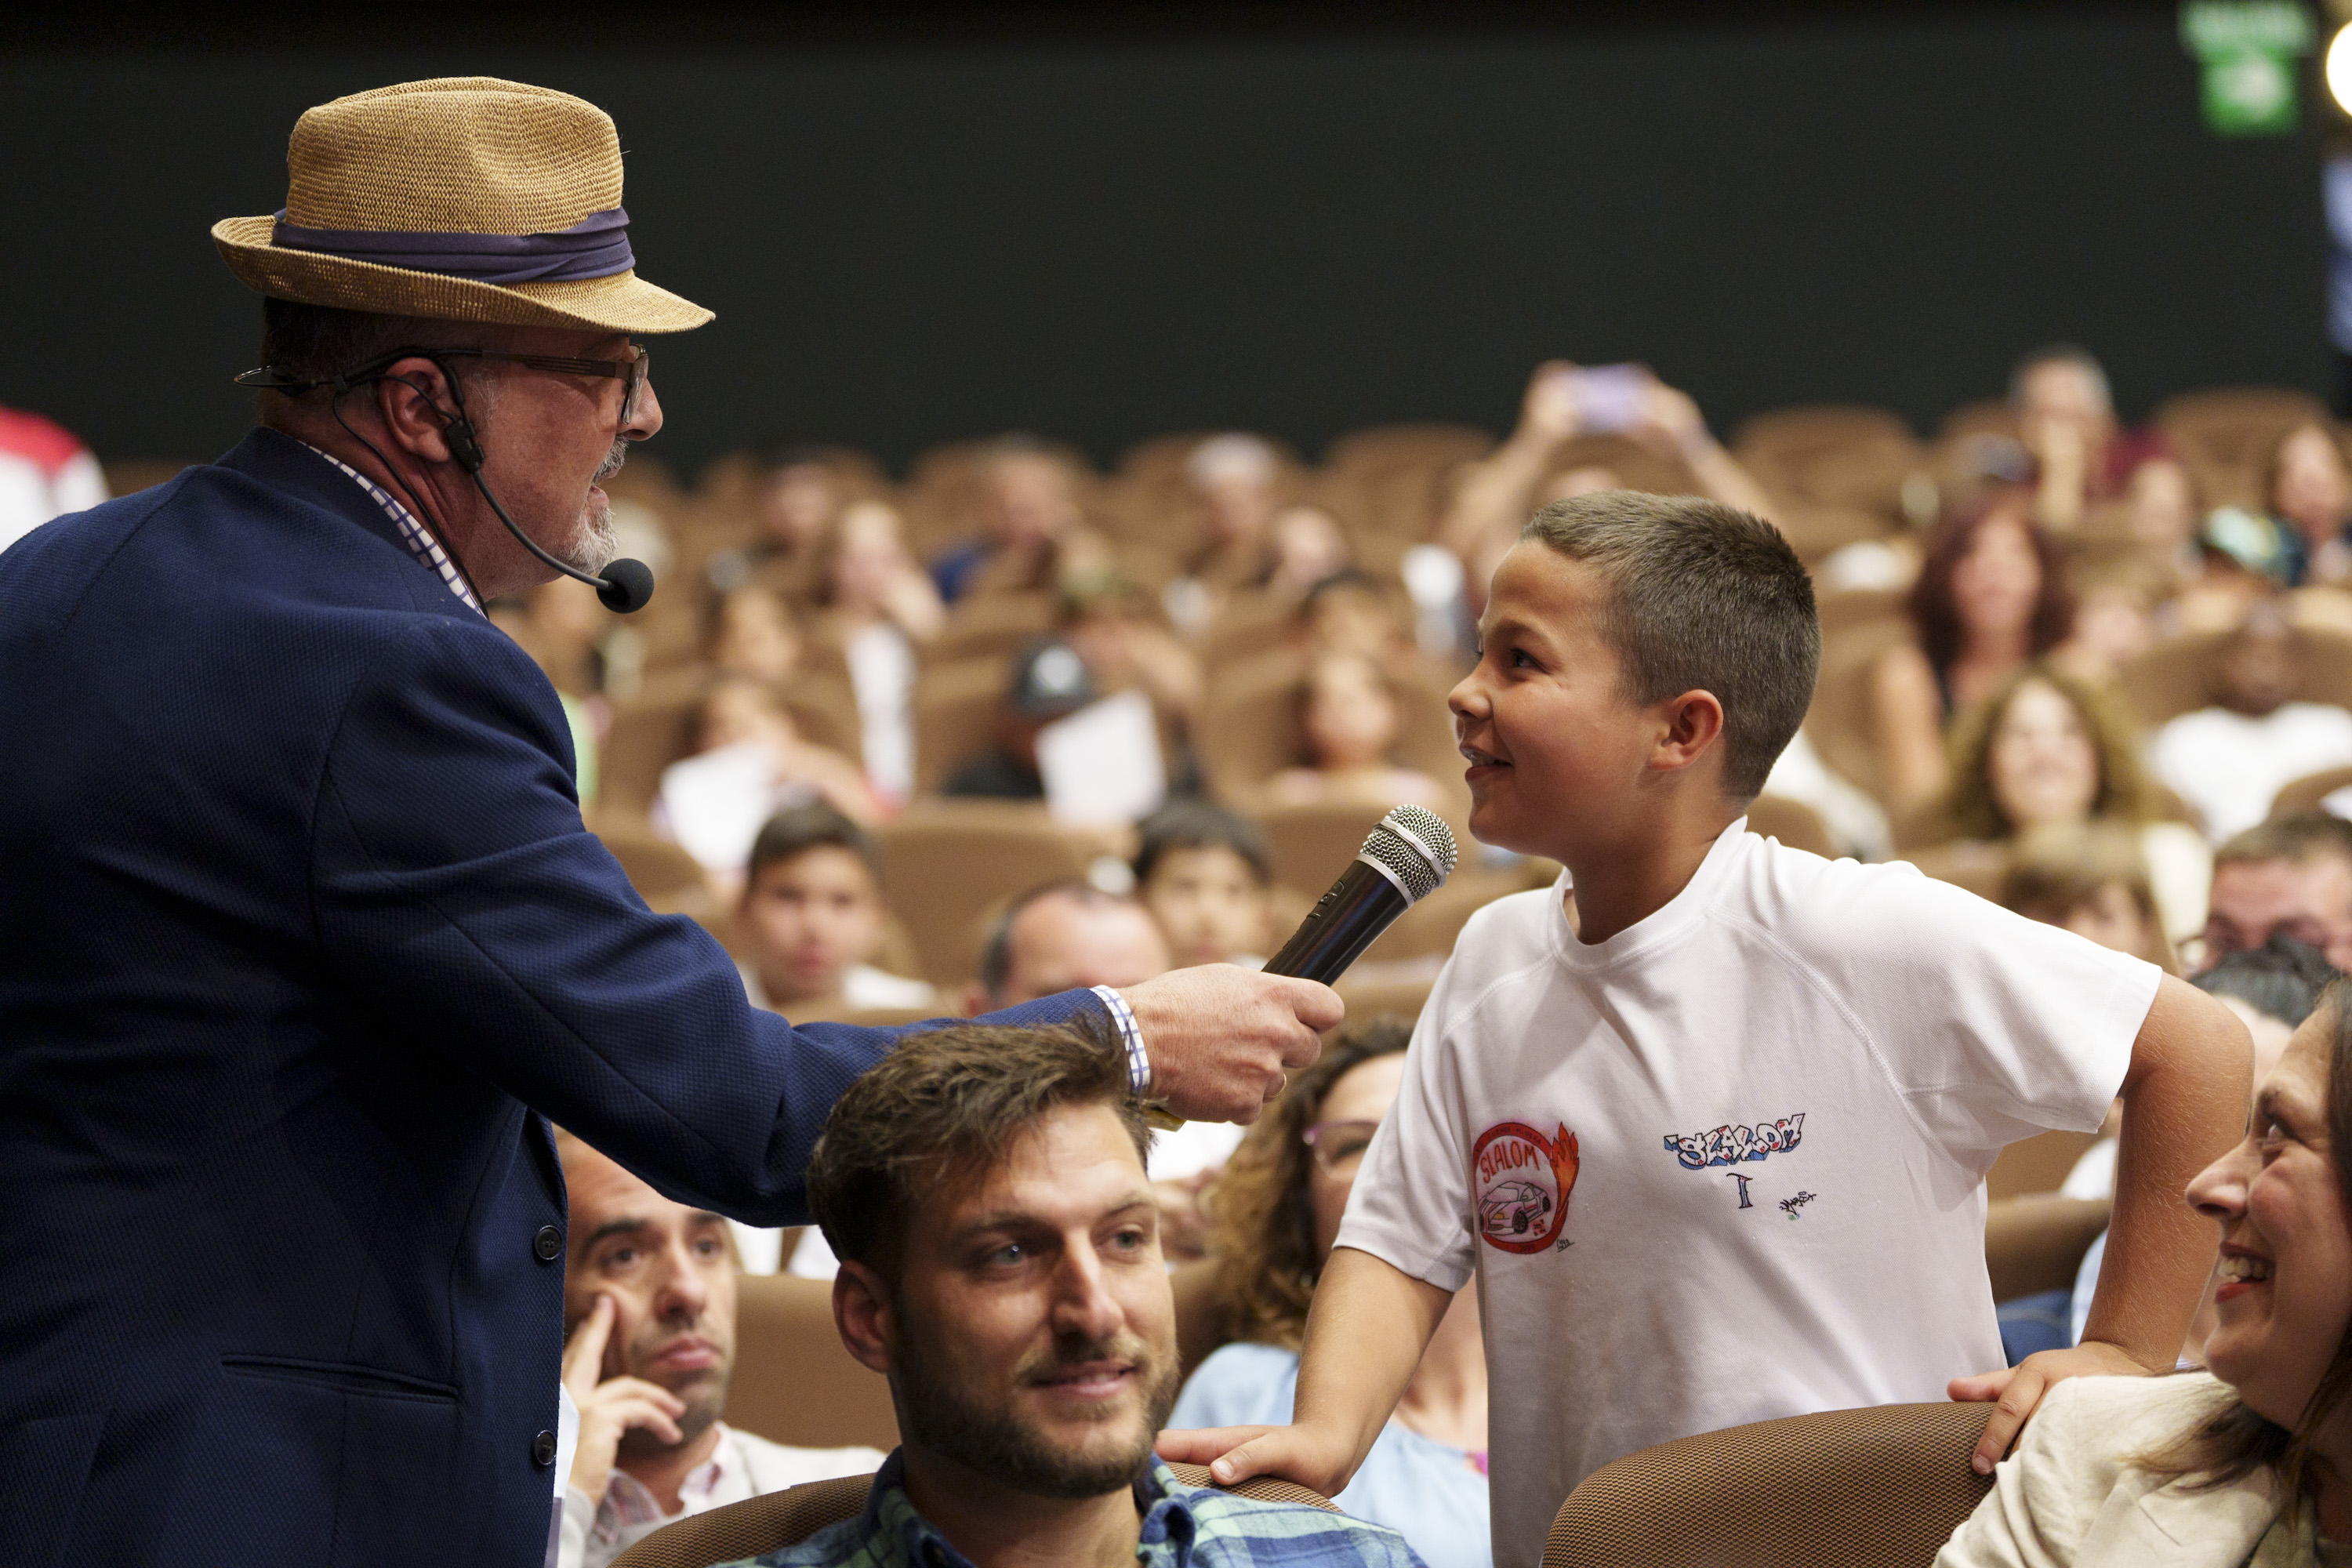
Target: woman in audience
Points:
x,y
1235,480
879,608
793,503
2311,495
1273,1218
752,637
1348,714
748,763
1990,596
2251,1463
2045,750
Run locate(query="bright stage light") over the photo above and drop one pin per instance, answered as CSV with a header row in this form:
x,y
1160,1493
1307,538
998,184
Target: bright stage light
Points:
x,y
2339,68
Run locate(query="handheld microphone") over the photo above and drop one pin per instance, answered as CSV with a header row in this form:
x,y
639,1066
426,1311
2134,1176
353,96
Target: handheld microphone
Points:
x,y
1402,862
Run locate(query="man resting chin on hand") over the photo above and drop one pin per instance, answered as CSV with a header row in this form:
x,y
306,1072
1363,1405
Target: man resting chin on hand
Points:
x,y
649,1291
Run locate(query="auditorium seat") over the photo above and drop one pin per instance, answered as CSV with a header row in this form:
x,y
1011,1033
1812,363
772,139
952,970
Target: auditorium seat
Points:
x,y
1818,529
764,1524
1833,454
655,728
946,863
1986,416
1842,722
2037,1164
2306,792
1392,447
2036,1242
129,475
955,712
1881,1487
2182,674
2225,435
1792,822
989,626
795,1383
657,869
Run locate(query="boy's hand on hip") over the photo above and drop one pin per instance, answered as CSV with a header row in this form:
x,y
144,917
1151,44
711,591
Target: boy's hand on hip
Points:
x,y
2018,1390
1235,1454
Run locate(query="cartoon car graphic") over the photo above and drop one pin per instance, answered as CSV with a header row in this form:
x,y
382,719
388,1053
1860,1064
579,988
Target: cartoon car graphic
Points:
x,y
1513,1207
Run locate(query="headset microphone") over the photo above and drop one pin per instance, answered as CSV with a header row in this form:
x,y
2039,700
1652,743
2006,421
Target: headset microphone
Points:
x,y
627,584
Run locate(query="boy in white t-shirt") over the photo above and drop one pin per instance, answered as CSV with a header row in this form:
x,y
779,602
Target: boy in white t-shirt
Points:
x,y
1713,1145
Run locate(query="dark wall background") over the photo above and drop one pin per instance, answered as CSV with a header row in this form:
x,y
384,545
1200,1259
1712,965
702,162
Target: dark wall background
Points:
x,y
923,231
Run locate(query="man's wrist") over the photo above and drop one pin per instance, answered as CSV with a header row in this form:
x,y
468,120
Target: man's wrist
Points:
x,y
1130,1039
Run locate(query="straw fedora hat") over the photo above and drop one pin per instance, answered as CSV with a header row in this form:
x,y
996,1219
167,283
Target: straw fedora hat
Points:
x,y
464,198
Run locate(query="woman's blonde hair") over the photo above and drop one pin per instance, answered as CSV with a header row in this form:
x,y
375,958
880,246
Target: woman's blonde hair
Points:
x,y
1261,1220
2123,792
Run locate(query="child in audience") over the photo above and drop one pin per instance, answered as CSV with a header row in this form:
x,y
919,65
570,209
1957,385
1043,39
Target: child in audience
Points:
x,y
879,606
812,918
1349,717
1205,876
2088,878
1276,1213
750,762
1720,1142
753,637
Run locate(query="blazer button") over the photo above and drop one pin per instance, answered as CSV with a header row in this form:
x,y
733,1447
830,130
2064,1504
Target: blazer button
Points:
x,y
543,1450
548,1243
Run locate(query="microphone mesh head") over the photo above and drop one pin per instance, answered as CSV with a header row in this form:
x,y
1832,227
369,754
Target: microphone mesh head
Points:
x,y
1417,846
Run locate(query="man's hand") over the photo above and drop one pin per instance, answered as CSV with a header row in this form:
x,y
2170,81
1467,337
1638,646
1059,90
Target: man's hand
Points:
x,y
610,1407
1234,1454
1220,1037
2020,1388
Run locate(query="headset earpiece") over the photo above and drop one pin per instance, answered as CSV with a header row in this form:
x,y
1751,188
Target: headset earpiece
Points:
x,y
464,444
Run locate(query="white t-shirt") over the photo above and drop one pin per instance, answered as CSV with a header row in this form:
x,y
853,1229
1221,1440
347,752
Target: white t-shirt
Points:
x,y
1726,1165
2230,766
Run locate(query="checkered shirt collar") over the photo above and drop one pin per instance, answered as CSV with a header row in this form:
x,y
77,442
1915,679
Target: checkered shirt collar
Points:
x,y
413,534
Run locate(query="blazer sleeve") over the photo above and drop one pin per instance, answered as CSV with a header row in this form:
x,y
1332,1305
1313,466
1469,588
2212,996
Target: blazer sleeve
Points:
x,y
460,901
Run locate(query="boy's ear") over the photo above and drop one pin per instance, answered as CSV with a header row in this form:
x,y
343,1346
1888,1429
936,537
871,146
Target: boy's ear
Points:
x,y
1693,723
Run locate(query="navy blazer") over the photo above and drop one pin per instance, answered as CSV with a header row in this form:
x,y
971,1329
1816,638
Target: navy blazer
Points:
x,y
299,930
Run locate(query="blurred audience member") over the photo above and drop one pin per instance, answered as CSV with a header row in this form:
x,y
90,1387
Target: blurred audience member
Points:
x,y
1235,480
793,503
2115,623
1305,545
2311,495
2228,760
45,472
1028,506
1050,681
1110,621
1352,612
1347,712
2289,877
2045,750
1495,496
1205,875
812,917
750,762
1991,596
1276,1213
559,624
879,608
1070,935
752,637
1001,1267
2091,878
649,1306
2161,511
2067,419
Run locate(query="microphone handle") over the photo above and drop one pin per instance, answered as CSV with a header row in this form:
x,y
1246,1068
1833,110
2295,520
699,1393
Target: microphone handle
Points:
x,y
1361,905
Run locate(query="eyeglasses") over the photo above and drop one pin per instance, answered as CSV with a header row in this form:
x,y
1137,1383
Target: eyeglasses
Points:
x,y
634,371
1339,1146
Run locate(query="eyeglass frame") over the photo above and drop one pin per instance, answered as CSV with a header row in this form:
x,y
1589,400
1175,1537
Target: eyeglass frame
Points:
x,y
638,371
1313,1137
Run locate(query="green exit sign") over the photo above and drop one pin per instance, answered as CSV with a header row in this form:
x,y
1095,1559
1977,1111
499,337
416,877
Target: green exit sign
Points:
x,y
2248,50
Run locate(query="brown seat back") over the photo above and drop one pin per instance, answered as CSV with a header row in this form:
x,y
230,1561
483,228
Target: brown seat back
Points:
x,y
1880,1488
778,1519
656,868
946,863
1792,822
2035,1243
1250,730
2037,1164
955,707
2305,792
1842,721
793,1381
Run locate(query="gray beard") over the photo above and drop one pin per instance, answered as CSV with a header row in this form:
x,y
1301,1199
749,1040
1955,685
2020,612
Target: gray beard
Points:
x,y
594,544
937,1414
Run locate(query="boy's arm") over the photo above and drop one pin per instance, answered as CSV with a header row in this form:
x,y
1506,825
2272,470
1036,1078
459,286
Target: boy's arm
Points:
x,y
2184,1103
1365,1333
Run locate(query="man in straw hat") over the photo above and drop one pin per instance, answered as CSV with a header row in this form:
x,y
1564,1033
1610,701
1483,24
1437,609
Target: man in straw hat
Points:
x,y
303,940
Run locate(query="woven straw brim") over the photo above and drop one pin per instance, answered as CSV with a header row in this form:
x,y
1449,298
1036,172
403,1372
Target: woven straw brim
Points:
x,y
621,303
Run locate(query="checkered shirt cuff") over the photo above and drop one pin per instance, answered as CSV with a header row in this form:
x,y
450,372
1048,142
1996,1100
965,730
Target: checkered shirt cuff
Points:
x,y
1139,1061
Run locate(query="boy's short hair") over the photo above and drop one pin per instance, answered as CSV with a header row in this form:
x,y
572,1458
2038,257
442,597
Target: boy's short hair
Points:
x,y
2299,838
2282,979
796,830
1197,824
1702,596
945,1105
2059,867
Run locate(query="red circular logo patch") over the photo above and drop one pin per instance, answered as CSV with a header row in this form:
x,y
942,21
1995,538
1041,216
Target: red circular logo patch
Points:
x,y
1519,1180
